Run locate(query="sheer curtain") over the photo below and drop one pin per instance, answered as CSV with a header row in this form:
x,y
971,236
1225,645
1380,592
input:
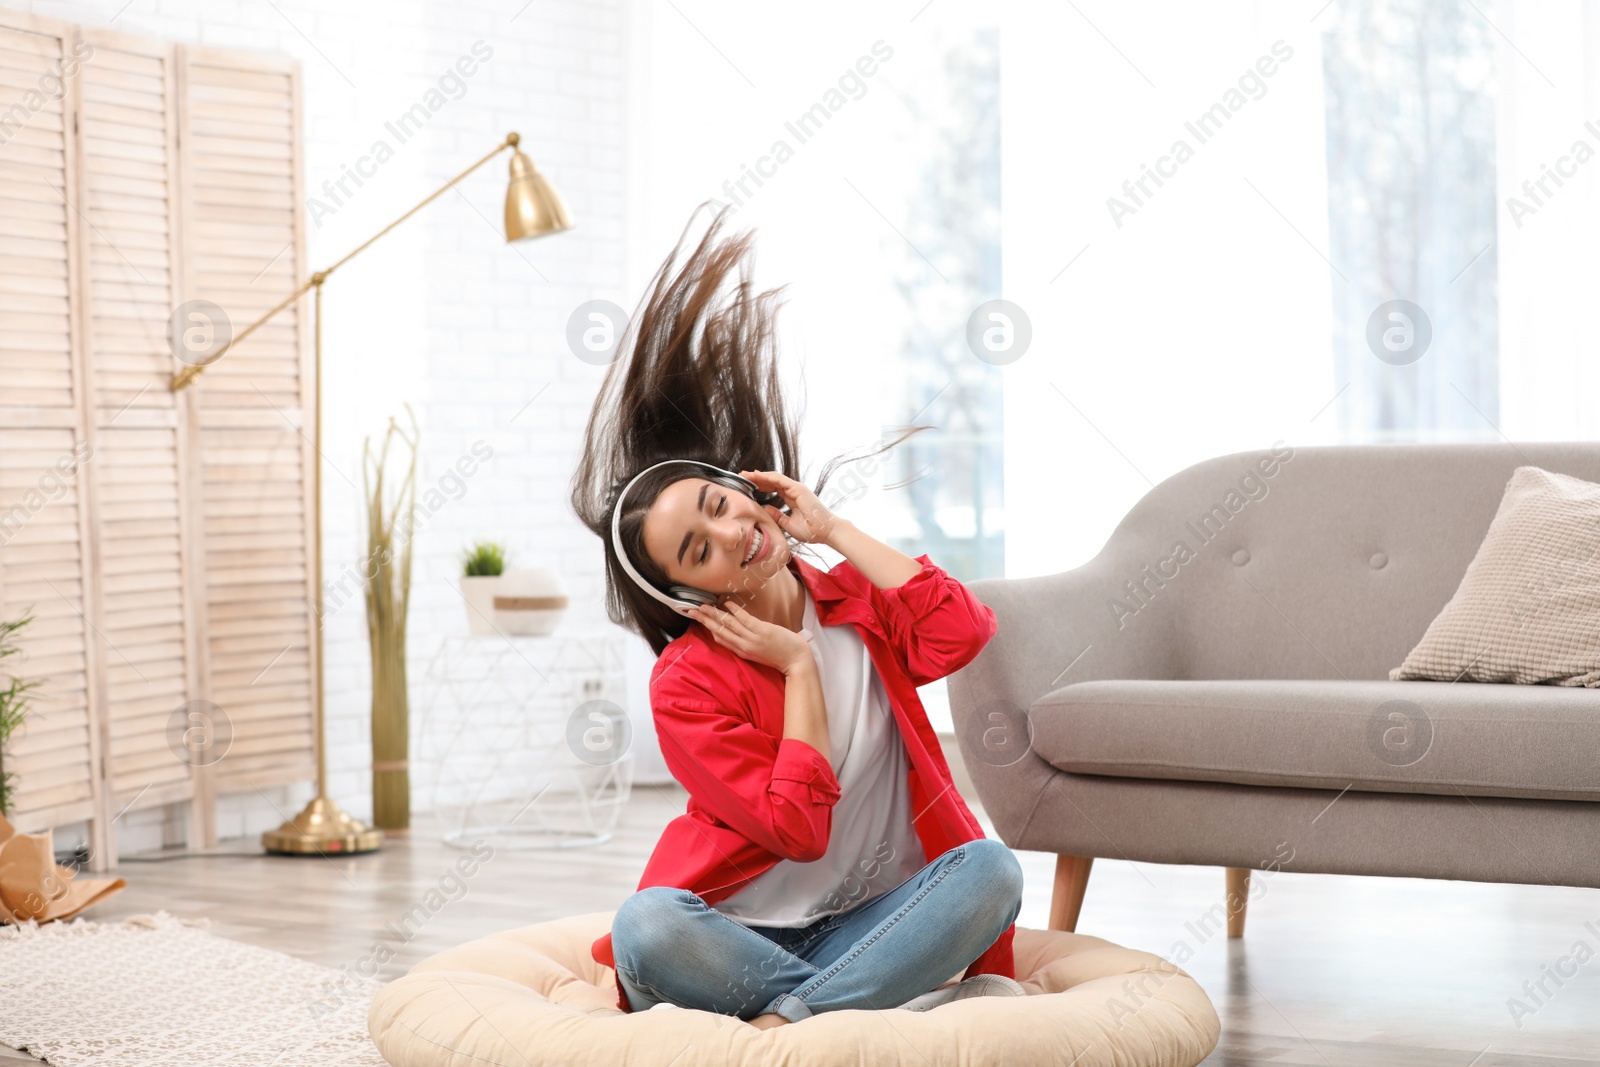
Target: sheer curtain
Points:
x,y
1549,120
1198,322
1174,318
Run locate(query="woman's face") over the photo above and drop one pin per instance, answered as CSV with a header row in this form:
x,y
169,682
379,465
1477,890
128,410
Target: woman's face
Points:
x,y
700,533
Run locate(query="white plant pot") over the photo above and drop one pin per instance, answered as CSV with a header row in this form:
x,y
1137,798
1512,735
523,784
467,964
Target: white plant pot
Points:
x,y
479,591
530,601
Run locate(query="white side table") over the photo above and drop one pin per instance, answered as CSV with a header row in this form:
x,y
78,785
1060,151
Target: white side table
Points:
x,y
525,741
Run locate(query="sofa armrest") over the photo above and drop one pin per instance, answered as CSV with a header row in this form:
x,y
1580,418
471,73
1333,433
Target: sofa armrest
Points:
x,y
1053,630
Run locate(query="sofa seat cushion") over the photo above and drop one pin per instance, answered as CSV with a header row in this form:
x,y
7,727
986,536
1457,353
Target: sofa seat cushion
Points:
x,y
1534,741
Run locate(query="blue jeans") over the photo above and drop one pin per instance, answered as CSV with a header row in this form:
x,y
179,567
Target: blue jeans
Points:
x,y
670,945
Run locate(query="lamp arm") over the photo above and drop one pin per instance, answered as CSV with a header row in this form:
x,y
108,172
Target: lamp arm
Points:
x,y
511,141
184,377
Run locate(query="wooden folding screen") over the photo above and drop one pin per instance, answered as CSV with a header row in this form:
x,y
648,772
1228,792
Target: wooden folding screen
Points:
x,y
170,573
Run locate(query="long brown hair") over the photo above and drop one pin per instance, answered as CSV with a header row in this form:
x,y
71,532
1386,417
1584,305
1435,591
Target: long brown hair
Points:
x,y
698,380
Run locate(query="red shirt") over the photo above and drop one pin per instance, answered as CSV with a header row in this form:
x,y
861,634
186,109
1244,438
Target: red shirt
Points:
x,y
756,797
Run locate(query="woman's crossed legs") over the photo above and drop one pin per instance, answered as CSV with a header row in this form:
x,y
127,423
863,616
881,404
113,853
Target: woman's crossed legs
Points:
x,y
671,946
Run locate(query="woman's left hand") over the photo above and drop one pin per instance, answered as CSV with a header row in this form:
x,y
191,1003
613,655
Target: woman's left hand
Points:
x,y
808,519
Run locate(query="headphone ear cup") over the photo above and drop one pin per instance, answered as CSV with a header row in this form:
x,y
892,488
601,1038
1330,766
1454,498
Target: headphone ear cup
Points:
x,y
692,595
740,483
761,496
749,489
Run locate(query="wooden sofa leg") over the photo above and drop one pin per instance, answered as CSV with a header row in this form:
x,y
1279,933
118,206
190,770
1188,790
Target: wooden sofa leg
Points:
x,y
1072,878
1238,898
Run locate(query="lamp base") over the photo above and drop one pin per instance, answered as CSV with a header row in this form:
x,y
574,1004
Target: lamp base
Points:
x,y
322,828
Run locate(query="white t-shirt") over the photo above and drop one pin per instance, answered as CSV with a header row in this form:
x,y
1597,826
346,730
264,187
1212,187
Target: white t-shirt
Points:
x,y
872,845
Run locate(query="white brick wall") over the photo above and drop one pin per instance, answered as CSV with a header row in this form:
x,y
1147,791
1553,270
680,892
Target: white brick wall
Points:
x,y
441,313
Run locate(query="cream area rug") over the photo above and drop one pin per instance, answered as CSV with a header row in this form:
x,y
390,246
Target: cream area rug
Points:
x,y
157,991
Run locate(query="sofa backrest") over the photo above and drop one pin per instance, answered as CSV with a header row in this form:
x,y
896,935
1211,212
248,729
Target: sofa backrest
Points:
x,y
1314,562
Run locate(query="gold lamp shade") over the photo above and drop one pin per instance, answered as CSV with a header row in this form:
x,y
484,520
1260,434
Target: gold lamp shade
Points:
x,y
533,208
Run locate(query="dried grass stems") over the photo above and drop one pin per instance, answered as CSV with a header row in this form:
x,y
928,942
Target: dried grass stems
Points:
x,y
388,591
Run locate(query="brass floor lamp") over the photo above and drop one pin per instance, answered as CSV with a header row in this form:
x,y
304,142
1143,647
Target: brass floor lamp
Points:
x,y
533,209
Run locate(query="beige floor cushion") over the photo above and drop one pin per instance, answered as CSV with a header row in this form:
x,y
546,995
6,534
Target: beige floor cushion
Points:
x,y
534,997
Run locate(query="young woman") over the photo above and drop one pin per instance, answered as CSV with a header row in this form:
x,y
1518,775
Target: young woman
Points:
x,y
826,860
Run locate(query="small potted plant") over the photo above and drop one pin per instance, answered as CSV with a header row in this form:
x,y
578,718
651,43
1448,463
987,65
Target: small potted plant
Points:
x,y
483,566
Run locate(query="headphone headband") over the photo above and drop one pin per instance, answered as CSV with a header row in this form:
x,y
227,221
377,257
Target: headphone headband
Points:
x,y
680,598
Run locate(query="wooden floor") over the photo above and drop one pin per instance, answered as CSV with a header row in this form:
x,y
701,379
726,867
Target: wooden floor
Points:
x,y
1333,971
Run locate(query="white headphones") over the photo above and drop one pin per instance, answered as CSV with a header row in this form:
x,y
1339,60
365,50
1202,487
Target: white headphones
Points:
x,y
680,598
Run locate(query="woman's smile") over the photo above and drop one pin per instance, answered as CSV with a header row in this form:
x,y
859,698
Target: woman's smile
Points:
x,y
757,549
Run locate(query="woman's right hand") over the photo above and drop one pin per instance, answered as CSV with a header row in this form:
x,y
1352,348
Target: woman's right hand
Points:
x,y
754,639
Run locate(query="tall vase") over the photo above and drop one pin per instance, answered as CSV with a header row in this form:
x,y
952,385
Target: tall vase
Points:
x,y
391,730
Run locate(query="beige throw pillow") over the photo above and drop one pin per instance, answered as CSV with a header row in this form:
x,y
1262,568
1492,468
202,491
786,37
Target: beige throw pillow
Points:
x,y
1528,608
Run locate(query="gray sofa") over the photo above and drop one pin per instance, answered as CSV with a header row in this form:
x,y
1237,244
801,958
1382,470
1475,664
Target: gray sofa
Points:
x,y
1229,705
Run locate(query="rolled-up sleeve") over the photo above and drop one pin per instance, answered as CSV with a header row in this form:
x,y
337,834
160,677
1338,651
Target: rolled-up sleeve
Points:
x,y
778,792
934,622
